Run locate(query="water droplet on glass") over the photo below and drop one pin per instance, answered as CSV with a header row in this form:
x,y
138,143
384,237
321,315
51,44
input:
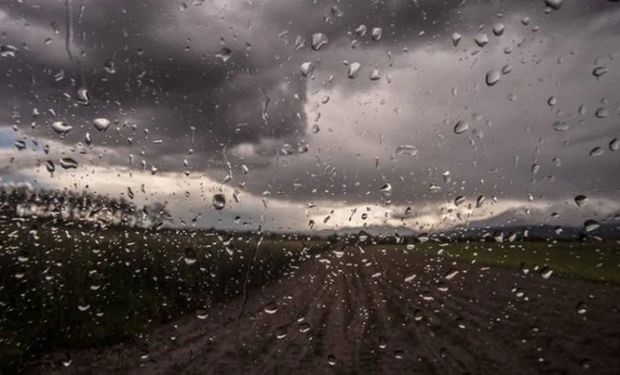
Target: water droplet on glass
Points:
x,y
554,4
591,225
560,126
451,274
599,71
580,200
601,112
318,41
202,314
7,50
581,308
101,124
307,68
461,127
68,163
597,151
375,75
506,69
271,308
459,200
361,30
481,39
456,38
225,54
331,360
546,272
354,69
376,33
61,127
50,166
83,97
189,256
406,150
498,29
492,77
20,144
219,201
109,67
614,144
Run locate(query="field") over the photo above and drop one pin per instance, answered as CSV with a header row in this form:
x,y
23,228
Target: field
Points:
x,y
126,299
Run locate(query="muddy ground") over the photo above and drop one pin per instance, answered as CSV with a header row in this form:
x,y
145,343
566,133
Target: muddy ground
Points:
x,y
364,311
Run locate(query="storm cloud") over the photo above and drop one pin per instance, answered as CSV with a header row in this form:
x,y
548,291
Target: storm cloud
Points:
x,y
211,96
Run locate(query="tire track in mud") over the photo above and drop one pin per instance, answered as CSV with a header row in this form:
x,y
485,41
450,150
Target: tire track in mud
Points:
x,y
353,312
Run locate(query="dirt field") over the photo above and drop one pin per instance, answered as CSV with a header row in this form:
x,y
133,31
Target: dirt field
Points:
x,y
363,311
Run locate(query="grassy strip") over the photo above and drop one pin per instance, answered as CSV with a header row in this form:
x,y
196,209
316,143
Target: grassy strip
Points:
x,y
591,261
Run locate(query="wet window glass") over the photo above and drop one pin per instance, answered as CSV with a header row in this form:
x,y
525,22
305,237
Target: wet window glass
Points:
x,y
314,186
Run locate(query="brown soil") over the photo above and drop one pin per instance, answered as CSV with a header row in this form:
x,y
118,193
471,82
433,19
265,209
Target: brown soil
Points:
x,y
359,313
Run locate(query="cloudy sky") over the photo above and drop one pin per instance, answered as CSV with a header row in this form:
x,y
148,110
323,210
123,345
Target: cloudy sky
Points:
x,y
230,97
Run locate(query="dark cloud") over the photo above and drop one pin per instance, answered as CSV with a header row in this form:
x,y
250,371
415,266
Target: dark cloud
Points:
x,y
223,80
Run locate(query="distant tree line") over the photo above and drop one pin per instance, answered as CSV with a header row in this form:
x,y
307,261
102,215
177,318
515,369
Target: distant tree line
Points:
x,y
21,200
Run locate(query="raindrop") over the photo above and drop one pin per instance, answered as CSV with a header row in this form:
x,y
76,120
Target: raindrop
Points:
x,y
109,67
376,33
190,256
598,71
498,29
219,201
459,200
552,101
451,274
481,39
50,166
101,124
601,112
492,77
61,127
480,200
354,69
83,97
506,69
406,150
331,360
7,50
581,308
614,144
456,38
375,75
68,163
202,314
225,54
461,127
580,200
306,68
597,151
318,41
271,308
554,4
386,187
546,272
361,30
561,126
20,144
591,225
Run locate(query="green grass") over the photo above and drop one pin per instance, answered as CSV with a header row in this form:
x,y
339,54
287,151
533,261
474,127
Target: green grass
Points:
x,y
591,261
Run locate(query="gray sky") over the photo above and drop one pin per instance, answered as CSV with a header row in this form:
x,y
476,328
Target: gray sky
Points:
x,y
220,84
